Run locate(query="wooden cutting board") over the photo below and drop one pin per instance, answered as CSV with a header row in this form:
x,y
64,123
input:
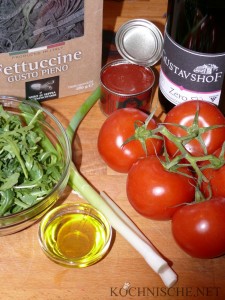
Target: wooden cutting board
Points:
x,y
26,273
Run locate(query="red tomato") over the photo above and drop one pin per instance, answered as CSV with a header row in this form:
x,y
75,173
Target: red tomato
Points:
x,y
216,178
116,129
184,114
156,193
199,228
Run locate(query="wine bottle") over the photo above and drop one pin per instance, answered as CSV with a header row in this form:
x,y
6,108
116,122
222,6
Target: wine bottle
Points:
x,y
193,59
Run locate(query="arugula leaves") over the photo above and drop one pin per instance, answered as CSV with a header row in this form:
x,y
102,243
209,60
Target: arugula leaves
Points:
x,y
30,166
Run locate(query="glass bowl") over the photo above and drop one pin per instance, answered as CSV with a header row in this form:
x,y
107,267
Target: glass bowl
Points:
x,y
16,219
75,235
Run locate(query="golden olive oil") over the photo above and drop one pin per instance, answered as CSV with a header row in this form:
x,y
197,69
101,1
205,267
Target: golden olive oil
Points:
x,y
76,237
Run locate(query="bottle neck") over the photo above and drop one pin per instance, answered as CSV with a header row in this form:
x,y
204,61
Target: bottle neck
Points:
x,y
197,25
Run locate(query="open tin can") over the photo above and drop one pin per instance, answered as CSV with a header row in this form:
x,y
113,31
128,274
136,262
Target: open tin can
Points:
x,y
129,82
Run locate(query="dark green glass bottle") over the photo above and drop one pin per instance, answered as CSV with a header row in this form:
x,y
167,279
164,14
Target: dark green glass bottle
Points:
x,y
193,61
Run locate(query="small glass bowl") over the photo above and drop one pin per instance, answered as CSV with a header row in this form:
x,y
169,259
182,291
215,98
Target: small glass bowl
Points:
x,y
55,132
75,235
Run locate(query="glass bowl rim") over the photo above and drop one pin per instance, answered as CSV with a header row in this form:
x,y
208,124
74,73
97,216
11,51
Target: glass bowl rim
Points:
x,y
68,262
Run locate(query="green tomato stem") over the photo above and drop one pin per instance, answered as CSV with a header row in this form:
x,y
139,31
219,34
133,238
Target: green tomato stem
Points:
x,y
185,154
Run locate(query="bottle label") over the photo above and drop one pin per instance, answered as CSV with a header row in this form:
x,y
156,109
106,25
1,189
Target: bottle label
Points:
x,y
189,75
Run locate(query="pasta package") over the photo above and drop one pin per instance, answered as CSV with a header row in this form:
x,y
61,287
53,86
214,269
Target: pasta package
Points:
x,y
50,48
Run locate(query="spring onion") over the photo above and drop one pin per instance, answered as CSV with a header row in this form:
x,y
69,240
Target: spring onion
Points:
x,y
113,213
167,275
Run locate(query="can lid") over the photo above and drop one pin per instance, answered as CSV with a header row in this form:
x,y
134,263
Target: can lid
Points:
x,y
139,41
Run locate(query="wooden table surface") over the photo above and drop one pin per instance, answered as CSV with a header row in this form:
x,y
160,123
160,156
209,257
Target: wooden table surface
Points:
x,y
26,273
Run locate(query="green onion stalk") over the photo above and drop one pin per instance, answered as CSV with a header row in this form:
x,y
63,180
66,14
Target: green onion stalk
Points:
x,y
116,217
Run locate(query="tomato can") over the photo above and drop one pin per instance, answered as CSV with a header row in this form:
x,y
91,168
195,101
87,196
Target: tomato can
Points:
x,y
129,82
124,84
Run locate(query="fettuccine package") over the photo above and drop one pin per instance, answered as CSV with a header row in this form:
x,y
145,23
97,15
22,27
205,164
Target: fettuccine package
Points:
x,y
50,48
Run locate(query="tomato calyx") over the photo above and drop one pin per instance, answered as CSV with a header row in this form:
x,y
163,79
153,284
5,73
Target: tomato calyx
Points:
x,y
142,133
194,132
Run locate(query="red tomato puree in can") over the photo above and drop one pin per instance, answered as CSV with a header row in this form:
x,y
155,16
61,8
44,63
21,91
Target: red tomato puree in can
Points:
x,y
124,84
127,78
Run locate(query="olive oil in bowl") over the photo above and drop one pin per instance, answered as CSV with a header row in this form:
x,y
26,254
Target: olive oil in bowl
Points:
x,y
75,235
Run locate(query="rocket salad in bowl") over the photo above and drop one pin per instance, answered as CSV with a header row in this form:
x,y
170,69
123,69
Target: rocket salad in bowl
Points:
x,y
35,156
